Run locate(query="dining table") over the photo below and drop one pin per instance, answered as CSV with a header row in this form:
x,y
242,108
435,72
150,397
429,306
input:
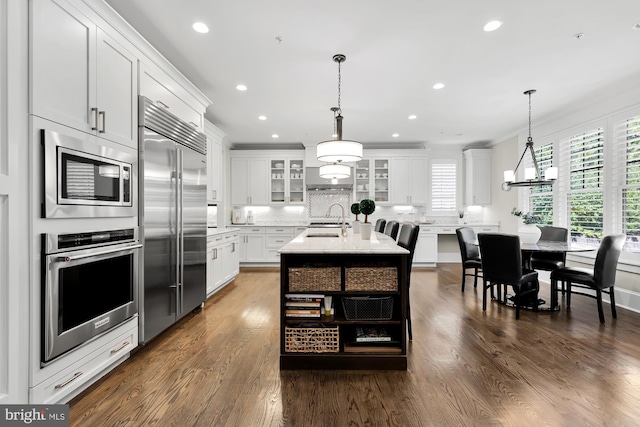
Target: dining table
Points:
x,y
528,249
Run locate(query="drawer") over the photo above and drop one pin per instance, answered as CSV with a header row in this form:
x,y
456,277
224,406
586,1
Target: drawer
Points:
x,y
491,229
278,241
67,383
280,230
215,240
428,230
447,230
253,230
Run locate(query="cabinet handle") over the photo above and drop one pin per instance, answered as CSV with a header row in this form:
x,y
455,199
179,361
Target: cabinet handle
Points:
x,y
193,124
162,104
94,111
123,345
103,114
65,383
233,247
279,241
213,194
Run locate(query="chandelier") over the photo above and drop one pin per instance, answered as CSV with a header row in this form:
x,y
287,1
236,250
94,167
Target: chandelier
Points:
x,y
532,176
337,151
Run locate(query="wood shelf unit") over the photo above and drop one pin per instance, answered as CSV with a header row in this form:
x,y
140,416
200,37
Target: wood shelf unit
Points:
x,y
350,355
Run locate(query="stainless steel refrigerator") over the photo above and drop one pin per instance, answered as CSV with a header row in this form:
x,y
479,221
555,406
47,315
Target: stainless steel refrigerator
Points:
x,y
173,219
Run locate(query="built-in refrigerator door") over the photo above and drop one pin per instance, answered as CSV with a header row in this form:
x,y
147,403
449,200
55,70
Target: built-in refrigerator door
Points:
x,y
193,222
159,222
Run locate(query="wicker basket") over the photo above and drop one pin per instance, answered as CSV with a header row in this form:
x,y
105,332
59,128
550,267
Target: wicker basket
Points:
x,y
314,279
371,279
367,308
311,340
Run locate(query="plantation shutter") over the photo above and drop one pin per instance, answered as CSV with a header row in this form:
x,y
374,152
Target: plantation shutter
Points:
x,y
627,165
443,186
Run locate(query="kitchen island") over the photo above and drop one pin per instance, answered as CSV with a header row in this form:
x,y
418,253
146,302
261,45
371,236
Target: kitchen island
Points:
x,y
366,283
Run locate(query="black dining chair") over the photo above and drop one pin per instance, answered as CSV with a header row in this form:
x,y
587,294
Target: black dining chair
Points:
x,y
380,225
549,261
600,279
502,265
391,229
407,239
470,254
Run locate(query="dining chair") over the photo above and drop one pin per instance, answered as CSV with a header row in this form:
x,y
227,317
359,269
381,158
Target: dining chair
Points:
x,y
470,254
407,239
600,279
549,261
380,225
391,229
502,265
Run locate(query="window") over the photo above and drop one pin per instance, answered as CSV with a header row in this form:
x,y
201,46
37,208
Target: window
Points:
x,y
443,186
627,140
541,197
584,190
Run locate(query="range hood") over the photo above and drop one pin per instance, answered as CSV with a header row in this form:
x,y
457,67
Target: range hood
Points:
x,y
314,182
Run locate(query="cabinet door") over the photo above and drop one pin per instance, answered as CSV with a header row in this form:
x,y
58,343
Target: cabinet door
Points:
x,y
381,180
63,65
295,184
211,269
117,90
258,183
399,181
214,169
234,258
363,180
418,180
239,181
255,248
426,248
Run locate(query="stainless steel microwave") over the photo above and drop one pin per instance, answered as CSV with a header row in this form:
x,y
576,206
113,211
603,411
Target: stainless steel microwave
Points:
x,y
86,178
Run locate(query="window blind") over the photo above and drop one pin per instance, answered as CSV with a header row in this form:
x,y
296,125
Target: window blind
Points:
x,y
627,166
443,187
541,197
583,190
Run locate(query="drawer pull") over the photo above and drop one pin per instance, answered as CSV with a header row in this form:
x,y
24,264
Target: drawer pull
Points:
x,y
66,383
123,345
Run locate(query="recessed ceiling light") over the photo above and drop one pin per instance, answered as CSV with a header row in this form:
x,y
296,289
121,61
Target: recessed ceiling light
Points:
x,y
438,85
492,25
412,117
201,27
578,36
262,117
636,26
395,135
275,135
241,87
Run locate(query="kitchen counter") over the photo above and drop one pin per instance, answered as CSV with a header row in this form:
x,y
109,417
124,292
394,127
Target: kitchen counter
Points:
x,y
213,231
313,241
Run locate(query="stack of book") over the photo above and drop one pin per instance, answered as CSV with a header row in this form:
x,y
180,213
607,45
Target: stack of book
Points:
x,y
302,305
372,335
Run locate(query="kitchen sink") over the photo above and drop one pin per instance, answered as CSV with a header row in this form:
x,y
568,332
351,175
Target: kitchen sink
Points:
x,y
327,234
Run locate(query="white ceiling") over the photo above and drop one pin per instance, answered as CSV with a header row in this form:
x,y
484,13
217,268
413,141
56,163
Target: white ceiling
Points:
x,y
396,51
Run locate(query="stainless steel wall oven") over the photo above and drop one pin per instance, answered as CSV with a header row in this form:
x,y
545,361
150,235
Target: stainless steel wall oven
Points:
x,y
86,178
89,285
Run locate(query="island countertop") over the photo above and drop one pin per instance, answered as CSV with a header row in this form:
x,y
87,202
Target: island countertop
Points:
x,y
330,241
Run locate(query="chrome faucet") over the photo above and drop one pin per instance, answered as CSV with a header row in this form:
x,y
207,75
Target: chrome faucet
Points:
x,y
344,226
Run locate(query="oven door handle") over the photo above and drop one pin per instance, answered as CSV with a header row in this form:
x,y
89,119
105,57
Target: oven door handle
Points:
x,y
92,254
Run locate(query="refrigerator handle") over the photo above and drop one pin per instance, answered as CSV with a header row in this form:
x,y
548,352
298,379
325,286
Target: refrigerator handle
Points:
x,y
181,227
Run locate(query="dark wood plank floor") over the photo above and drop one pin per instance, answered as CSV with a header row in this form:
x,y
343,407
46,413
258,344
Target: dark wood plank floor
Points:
x,y
219,367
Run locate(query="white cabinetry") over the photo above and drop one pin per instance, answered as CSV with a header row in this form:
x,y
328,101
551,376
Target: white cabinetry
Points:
x,y
160,88
372,179
427,246
249,183
478,176
81,76
409,180
222,260
287,180
277,237
252,244
215,163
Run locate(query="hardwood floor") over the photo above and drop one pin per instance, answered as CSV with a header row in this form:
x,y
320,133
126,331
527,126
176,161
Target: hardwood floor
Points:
x,y
219,367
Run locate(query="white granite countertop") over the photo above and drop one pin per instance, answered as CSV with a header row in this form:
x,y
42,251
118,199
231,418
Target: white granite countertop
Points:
x,y
305,243
212,231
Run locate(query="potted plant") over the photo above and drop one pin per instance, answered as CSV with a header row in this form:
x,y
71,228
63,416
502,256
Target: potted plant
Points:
x,y
528,231
355,209
367,207
460,216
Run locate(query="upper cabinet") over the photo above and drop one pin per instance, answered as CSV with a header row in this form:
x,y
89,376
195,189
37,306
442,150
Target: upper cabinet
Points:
x,y
287,179
249,183
478,176
409,180
215,163
372,179
81,76
160,88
